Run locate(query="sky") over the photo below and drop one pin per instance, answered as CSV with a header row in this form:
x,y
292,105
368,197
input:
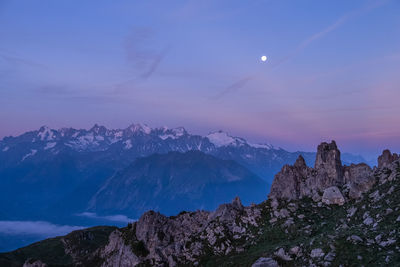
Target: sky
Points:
x,y
333,68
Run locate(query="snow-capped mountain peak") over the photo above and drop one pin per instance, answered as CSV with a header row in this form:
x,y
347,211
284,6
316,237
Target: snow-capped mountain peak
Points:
x,y
45,133
165,133
135,128
221,138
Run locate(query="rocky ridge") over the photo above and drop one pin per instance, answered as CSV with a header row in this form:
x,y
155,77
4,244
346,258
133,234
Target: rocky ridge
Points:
x,y
329,215
329,179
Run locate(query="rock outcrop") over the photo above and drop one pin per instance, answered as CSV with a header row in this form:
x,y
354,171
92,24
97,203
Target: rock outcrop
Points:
x,y
359,179
328,165
290,182
299,180
386,158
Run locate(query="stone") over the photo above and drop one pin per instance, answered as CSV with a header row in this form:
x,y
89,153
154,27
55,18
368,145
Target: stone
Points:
x,y
388,211
274,204
356,238
295,251
316,197
368,221
281,253
387,242
332,195
330,256
283,213
375,196
317,253
351,211
265,262
34,263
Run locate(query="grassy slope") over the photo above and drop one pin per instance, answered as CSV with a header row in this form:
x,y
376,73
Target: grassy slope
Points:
x,y
52,250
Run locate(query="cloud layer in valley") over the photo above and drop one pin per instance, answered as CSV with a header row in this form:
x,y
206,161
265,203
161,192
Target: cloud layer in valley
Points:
x,y
112,218
39,228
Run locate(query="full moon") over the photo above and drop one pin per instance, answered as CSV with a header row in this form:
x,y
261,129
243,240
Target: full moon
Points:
x,y
264,58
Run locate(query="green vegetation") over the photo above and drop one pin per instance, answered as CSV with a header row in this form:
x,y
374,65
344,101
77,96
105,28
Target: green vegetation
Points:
x,y
52,250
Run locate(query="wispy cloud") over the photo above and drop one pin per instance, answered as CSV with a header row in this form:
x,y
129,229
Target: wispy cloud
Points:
x,y
144,55
154,64
143,52
233,87
40,228
112,218
339,22
16,60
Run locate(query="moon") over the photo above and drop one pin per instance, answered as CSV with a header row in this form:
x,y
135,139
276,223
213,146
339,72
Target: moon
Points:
x,y
264,58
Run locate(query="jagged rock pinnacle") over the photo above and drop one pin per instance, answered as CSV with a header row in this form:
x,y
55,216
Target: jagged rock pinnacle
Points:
x,y
386,158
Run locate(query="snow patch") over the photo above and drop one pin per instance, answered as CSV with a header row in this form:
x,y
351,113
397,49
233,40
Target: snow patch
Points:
x,y
50,145
99,138
220,139
33,152
178,132
5,149
166,136
173,133
128,144
266,146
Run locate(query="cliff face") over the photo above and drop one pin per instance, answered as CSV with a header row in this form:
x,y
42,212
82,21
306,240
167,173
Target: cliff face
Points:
x,y
329,215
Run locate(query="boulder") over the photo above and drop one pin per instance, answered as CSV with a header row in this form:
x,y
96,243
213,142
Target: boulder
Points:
x,y
332,195
317,253
265,262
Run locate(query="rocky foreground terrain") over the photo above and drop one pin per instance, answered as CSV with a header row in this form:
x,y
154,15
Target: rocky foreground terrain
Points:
x,y
329,215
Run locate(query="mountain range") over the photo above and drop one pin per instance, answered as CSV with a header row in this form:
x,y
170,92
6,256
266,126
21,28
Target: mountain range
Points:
x,y
59,164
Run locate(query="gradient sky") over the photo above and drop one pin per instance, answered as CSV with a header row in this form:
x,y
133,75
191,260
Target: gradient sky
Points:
x,y
333,68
